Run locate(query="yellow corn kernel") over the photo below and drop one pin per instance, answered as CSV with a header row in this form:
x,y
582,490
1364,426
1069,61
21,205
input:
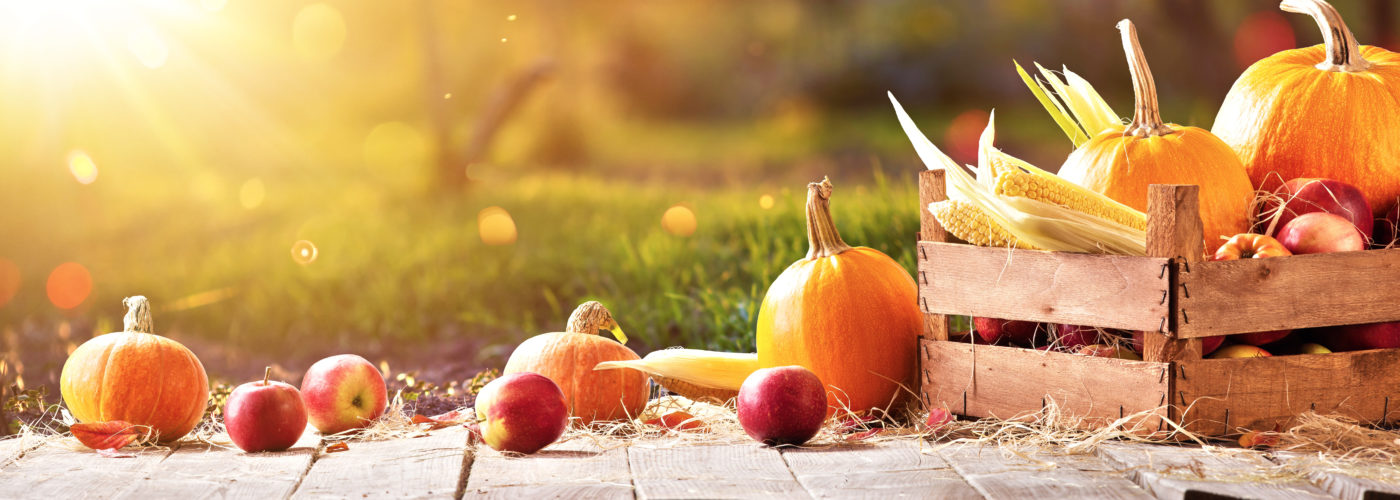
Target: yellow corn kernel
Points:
x,y
1052,189
969,223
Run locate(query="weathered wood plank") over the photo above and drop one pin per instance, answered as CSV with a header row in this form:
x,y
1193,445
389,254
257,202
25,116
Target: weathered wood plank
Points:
x,y
570,491
1173,232
1172,473
57,471
1224,395
933,483
576,467
427,467
1356,481
1099,389
1301,291
205,471
909,468
886,456
13,448
998,476
718,471
1111,291
932,188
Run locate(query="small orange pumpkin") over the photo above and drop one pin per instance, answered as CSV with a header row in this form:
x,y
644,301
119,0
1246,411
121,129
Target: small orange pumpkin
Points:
x,y
1122,162
138,377
1330,111
850,315
568,358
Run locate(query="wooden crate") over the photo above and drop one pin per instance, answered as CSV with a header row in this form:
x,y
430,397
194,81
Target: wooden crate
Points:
x,y
1175,298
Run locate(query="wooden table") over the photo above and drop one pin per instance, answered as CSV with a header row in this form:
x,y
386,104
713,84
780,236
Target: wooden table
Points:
x,y
443,465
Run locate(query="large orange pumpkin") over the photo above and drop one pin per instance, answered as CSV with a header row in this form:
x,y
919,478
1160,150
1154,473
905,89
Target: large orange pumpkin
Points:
x,y
1122,162
1329,111
850,315
138,377
568,358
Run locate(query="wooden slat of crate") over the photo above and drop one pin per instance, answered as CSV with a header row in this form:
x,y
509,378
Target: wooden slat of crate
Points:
x,y
1171,473
1261,392
1010,381
1301,291
1111,291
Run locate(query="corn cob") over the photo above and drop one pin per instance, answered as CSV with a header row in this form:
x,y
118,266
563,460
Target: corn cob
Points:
x,y
698,375
969,223
1053,189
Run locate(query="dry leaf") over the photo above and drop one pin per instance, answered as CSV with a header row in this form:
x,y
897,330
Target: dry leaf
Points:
x,y
341,446
453,417
860,436
1257,439
112,435
680,421
859,424
474,429
113,453
938,418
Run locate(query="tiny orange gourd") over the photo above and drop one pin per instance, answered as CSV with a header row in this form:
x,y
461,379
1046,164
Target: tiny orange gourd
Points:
x,y
1122,163
138,377
568,358
850,315
1331,111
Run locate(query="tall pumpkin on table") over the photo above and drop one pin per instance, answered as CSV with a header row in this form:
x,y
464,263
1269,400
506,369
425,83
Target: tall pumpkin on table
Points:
x,y
849,314
137,377
1329,111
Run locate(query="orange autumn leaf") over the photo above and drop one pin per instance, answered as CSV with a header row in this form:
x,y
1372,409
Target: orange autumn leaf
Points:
x,y
341,446
861,436
111,435
678,420
434,422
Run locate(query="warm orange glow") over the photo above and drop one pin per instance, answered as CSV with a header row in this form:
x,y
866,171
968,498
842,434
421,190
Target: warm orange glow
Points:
x,y
318,32
9,281
304,252
82,167
496,226
69,285
679,220
963,133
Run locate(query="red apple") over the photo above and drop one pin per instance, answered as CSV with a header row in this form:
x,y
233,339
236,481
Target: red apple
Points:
x,y
1361,337
343,392
521,412
264,415
1306,195
1208,344
1385,233
1260,338
1319,232
993,330
1240,351
785,405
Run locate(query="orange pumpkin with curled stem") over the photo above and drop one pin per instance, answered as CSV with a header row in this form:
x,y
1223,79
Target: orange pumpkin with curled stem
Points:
x,y
1250,246
568,359
850,315
1329,111
138,377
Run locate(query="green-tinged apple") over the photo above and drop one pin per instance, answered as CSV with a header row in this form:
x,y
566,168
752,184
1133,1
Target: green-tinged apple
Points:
x,y
785,405
1311,348
265,415
521,412
343,392
1241,351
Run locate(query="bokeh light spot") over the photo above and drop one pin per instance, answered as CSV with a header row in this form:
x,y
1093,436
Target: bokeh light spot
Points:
x,y
252,193
318,31
147,47
496,226
503,39
1260,35
765,202
9,281
395,145
447,95
304,252
82,166
69,285
679,220
963,133
510,17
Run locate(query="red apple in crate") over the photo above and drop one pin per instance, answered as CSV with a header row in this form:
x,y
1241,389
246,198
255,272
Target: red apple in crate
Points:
x,y
265,415
343,392
1240,351
1387,229
1260,338
1208,344
522,412
994,330
1361,337
1305,196
785,405
1074,336
1319,232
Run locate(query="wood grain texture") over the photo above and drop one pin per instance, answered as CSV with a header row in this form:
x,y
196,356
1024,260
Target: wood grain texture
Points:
x,y
999,474
1259,393
1171,472
1006,382
56,471
1353,480
716,471
1173,232
932,188
13,448
204,471
562,491
427,467
877,470
1301,291
935,483
1112,291
578,463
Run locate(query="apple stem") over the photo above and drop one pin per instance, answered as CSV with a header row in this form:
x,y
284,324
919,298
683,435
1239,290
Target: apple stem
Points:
x,y
267,374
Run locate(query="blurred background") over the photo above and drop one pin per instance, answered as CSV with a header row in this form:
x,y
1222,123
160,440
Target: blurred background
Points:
x,y
428,182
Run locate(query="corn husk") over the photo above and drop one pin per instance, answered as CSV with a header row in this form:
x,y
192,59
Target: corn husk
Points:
x,y
693,373
1073,103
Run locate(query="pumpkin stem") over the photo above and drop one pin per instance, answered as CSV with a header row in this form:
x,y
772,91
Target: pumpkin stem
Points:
x,y
592,318
138,315
822,236
1343,53
1147,120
